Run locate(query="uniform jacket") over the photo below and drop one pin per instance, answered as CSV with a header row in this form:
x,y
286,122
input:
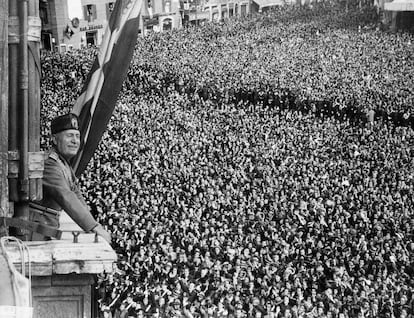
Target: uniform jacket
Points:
x,y
61,191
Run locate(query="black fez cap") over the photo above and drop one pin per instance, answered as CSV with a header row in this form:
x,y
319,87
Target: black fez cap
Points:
x,y
64,122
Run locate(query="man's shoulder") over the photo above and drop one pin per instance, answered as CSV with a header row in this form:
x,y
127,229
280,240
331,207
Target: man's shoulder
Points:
x,y
53,162
56,172
52,156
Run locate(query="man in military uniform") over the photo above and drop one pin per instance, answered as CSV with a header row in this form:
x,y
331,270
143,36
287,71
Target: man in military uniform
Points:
x,y
60,187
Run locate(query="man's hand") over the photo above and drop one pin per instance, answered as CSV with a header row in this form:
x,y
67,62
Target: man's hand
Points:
x,y
102,232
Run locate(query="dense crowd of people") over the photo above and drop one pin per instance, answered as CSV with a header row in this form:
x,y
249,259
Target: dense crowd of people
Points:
x,y
258,167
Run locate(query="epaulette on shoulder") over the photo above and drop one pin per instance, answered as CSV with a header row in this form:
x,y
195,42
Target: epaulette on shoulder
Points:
x,y
53,155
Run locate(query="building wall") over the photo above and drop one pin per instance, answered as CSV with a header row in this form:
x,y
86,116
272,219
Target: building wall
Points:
x,y
158,13
222,9
62,34
91,27
54,19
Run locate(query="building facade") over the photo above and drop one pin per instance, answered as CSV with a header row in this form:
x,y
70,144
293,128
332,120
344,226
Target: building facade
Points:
x,y
398,14
161,15
223,9
62,34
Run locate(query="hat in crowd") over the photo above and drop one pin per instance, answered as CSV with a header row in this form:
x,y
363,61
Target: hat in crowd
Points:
x,y
64,122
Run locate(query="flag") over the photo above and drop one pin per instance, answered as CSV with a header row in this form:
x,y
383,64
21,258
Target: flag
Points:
x,y
97,101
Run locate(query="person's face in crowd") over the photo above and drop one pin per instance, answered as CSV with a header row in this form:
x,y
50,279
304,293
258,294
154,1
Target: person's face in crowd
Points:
x,y
288,313
328,292
404,313
161,301
239,313
297,282
193,308
251,284
276,258
403,300
277,278
269,307
204,271
237,294
217,250
286,300
182,258
168,267
329,314
67,143
320,311
176,305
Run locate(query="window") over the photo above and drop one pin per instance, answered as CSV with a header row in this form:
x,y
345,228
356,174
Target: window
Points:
x,y
43,13
47,43
167,6
91,38
90,12
109,9
150,8
167,24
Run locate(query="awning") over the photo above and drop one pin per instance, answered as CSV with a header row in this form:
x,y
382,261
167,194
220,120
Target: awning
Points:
x,y
399,5
268,3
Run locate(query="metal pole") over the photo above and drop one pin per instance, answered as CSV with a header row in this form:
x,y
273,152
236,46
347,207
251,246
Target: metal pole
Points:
x,y
4,117
24,105
13,38
22,206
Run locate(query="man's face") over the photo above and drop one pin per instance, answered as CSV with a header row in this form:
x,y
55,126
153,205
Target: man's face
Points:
x,y
67,142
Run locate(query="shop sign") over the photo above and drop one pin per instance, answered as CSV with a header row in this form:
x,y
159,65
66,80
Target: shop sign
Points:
x,y
91,27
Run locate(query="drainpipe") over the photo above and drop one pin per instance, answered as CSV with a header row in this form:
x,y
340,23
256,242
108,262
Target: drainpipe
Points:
x,y
22,206
13,89
24,105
